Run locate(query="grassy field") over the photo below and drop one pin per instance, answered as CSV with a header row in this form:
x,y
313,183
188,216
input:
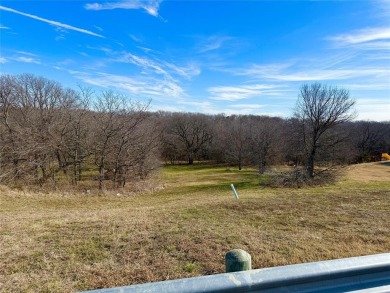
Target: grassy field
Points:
x,y
69,242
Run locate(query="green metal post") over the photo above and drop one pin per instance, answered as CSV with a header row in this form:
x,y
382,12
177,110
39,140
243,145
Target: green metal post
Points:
x,y
237,260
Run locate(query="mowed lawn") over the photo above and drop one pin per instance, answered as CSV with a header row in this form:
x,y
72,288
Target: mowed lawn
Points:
x,y
68,242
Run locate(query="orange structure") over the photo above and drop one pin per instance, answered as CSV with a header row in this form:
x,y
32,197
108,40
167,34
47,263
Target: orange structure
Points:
x,y
386,156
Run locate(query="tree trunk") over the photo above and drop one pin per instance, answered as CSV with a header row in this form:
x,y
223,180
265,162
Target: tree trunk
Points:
x,y
190,157
261,167
310,166
101,178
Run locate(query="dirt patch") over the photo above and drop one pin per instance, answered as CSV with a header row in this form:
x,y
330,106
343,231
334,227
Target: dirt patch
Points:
x,y
378,171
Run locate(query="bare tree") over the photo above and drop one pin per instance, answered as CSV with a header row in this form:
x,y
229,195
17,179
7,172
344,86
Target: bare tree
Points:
x,y
9,159
46,129
34,121
265,134
116,121
79,139
319,109
192,131
236,139
369,140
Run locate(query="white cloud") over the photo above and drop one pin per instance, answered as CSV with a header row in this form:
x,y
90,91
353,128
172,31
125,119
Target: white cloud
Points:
x,y
378,45
384,55
247,106
65,62
234,93
362,36
263,70
27,53
136,39
212,43
83,54
61,33
373,109
145,50
296,73
26,59
150,6
149,76
245,111
52,22
368,86
140,86
159,66
185,71
167,108
3,60
4,27
321,75
383,8
203,104
145,63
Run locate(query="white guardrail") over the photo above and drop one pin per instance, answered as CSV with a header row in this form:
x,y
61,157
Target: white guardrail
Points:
x,y
356,274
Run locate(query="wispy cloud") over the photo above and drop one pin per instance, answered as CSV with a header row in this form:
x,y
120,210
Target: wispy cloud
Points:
x,y
184,71
364,39
371,46
146,74
373,85
136,39
235,93
247,106
166,108
262,69
145,86
52,22
373,109
161,67
3,60
212,43
189,105
244,109
61,33
290,73
4,27
26,59
143,62
363,35
150,6
145,50
382,9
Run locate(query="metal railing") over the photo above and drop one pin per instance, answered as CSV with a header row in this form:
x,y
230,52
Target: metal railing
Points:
x,y
357,274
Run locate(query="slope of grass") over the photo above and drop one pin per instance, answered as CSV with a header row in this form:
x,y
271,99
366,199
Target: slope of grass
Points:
x,y
56,243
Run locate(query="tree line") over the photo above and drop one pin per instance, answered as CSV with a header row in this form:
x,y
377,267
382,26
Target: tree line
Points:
x,y
49,133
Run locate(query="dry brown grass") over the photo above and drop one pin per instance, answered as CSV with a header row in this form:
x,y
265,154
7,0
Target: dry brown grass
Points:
x,y
70,242
377,171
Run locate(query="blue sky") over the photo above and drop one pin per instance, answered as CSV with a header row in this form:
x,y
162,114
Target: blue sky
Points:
x,y
232,57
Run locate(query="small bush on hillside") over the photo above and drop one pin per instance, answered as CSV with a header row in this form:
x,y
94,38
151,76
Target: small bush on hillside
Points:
x,y
298,178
